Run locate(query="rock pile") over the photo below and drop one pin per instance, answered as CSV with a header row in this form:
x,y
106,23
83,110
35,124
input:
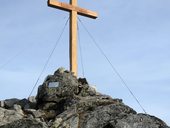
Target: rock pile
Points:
x,y
63,101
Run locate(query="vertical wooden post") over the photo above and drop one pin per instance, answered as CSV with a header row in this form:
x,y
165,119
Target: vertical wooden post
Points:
x,y
73,39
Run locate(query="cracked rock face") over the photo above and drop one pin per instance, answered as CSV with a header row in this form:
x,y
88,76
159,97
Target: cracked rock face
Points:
x,y
63,101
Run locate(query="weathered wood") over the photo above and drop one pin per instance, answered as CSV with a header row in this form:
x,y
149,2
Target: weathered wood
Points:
x,y
73,39
69,7
74,11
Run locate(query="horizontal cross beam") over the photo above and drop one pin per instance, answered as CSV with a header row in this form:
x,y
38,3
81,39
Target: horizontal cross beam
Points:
x,y
68,7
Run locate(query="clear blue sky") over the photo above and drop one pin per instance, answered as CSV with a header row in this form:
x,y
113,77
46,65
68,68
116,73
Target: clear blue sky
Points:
x,y
134,34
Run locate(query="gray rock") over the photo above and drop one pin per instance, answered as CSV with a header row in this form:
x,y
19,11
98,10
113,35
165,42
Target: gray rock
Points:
x,y
25,123
61,97
63,101
8,116
109,116
72,122
32,99
60,71
24,103
140,121
35,113
9,103
68,91
68,85
2,104
18,109
27,103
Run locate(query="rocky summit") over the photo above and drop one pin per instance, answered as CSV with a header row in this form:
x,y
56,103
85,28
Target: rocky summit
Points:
x,y
63,101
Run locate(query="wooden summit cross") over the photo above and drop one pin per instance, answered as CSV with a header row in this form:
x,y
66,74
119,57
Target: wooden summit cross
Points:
x,y
74,10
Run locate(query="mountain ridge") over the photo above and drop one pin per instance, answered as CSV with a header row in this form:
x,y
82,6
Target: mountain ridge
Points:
x,y
63,101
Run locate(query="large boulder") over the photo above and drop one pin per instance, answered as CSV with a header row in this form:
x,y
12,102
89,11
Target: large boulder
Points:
x,y
62,90
58,86
9,103
29,103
